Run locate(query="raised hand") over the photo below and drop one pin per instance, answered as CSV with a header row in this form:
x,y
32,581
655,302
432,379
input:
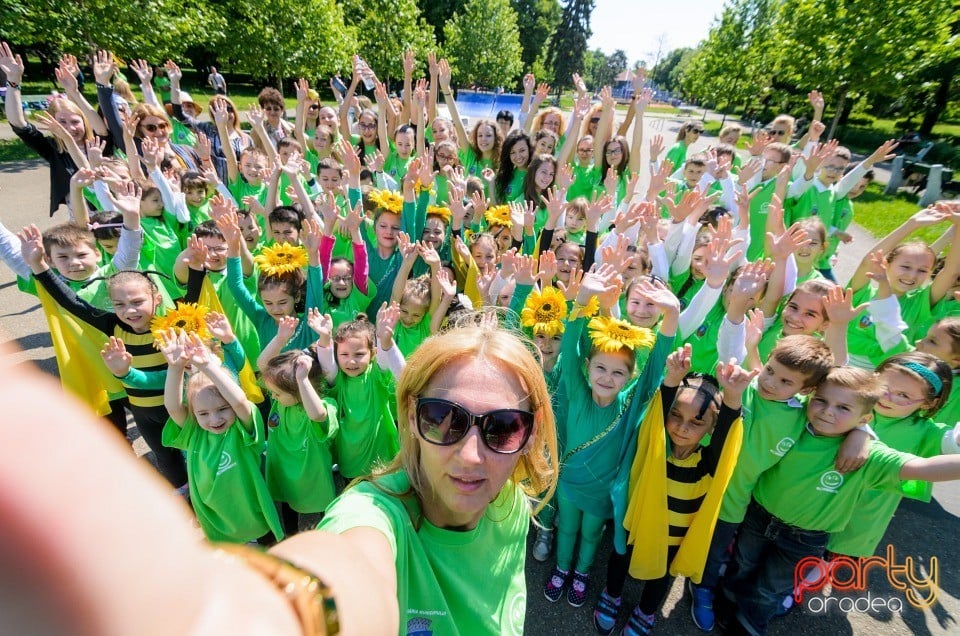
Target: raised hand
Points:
x,y
83,178
594,283
554,204
375,161
678,365
448,284
31,246
287,327
197,352
301,368
66,76
429,256
387,318
547,268
11,65
508,263
172,344
320,324
408,248
116,357
219,327
571,289
255,115
174,74
838,305
49,124
310,233
656,147
754,328
719,261
195,256
785,244
884,152
127,198
103,67
734,380
143,70
525,267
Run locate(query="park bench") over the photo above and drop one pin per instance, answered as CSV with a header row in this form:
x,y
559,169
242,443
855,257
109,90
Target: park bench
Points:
x,y
29,102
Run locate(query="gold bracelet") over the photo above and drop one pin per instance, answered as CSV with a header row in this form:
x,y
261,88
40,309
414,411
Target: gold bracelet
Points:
x,y
311,599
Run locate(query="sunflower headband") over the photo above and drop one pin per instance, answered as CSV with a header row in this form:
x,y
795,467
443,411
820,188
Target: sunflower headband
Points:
x,y
281,258
440,210
498,215
612,334
187,317
387,200
544,312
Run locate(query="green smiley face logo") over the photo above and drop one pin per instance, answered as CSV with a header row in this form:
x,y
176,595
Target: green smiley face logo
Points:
x,y
831,480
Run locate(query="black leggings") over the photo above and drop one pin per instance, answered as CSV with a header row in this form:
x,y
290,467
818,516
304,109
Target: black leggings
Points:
x,y
654,591
118,416
150,422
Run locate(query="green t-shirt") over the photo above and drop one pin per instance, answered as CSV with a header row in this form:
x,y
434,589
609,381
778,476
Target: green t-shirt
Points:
x,y
409,338
164,239
241,188
770,429
368,432
181,134
347,309
704,356
916,435
243,328
227,490
813,202
514,191
448,582
949,413
805,490
473,165
395,165
299,464
862,334
585,179
677,155
758,218
842,218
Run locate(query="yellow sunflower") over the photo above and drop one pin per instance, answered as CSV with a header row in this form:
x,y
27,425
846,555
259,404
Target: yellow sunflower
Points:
x,y
281,258
188,317
440,210
611,334
387,200
544,311
586,311
498,215
418,187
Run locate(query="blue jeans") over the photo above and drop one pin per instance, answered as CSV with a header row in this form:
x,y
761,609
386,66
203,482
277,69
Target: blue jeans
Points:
x,y
723,535
761,573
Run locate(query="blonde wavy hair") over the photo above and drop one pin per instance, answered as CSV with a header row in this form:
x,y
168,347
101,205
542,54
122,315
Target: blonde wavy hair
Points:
x,y
536,469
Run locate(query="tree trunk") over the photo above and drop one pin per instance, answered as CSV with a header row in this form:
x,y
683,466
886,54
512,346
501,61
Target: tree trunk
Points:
x,y
841,104
940,100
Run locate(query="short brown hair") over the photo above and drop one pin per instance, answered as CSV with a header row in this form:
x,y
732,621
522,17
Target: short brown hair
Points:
x,y
67,235
783,151
806,354
271,97
864,384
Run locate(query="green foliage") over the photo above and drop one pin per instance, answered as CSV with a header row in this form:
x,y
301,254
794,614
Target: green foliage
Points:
x,y
387,28
15,150
666,74
483,43
150,29
536,20
565,53
438,12
288,38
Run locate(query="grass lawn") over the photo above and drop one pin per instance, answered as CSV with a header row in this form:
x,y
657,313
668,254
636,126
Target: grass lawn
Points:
x,y
880,214
15,150
889,126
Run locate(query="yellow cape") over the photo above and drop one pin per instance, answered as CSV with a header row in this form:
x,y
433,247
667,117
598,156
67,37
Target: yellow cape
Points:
x,y
77,347
647,519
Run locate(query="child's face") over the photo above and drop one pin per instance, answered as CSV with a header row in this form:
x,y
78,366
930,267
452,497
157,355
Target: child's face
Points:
x,y
938,343
250,167
576,220
698,262
445,156
903,394
321,141
545,146
195,196
835,410
109,245
329,179
549,347
771,164
341,279
859,188
213,413
76,262
641,310
387,228
412,310
520,155
151,204
285,233
543,178
506,293
285,153
73,123
503,237
585,152
607,373
832,169
368,128
686,425
250,230
280,396
505,125
216,252
404,143
441,130
484,254
486,138
277,302
135,304
909,270
434,231
353,356
778,382
731,138
692,174
809,254
803,314
328,118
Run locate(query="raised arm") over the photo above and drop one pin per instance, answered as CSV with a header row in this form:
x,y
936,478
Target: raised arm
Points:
x,y
445,75
345,104
636,144
12,66
207,363
66,73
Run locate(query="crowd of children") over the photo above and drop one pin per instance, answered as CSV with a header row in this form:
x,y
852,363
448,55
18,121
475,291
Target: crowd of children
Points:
x,y
721,400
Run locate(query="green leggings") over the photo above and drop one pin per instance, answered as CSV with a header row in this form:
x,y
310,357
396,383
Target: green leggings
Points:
x,y
572,521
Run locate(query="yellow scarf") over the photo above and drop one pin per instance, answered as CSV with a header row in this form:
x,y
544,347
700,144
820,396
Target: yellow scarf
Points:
x,y
246,376
647,518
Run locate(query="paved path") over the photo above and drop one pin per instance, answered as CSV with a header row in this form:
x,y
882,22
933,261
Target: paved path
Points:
x,y
918,530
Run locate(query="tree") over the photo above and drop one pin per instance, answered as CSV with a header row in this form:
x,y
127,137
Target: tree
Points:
x,y
288,38
385,29
617,63
663,74
438,12
483,43
536,20
569,42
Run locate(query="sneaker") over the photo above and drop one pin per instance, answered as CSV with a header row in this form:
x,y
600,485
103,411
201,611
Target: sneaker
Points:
x,y
543,545
555,584
606,613
785,607
639,624
701,606
577,594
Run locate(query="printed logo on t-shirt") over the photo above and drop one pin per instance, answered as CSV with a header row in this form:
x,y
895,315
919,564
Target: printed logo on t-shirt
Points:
x,y
701,331
865,321
226,463
518,610
419,627
830,481
783,446
274,420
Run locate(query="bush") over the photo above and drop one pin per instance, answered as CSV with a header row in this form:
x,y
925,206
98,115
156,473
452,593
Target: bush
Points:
x,y
860,120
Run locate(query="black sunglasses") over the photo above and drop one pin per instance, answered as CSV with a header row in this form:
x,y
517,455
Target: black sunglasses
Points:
x,y
445,423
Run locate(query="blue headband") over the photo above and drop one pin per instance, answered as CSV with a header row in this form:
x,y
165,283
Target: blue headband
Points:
x,y
932,378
